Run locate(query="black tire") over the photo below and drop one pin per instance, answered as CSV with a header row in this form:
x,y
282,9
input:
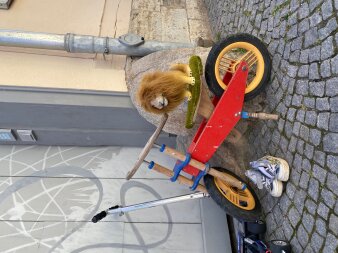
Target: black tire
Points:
x,y
226,205
210,75
276,246
256,228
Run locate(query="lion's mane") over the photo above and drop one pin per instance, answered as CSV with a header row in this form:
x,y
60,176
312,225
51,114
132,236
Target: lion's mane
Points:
x,y
168,84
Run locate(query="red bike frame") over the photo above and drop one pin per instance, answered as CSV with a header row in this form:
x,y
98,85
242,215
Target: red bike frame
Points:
x,y
225,116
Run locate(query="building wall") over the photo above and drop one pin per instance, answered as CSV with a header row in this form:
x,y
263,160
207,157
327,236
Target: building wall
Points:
x,y
54,69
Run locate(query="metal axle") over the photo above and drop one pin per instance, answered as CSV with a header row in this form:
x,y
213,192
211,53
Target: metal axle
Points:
x,y
129,44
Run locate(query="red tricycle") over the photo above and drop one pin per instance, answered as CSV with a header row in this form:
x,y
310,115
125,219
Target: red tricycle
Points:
x,y
237,69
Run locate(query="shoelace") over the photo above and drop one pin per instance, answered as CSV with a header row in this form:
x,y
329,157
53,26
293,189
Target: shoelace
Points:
x,y
265,167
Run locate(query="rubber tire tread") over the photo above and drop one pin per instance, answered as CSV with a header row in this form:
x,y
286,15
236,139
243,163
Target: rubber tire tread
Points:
x,y
226,205
210,76
278,248
256,228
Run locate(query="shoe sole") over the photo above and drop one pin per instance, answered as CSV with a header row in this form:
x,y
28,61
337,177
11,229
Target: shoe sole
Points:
x,y
277,188
284,170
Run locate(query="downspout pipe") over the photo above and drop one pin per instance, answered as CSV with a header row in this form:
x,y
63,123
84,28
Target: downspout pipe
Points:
x,y
73,43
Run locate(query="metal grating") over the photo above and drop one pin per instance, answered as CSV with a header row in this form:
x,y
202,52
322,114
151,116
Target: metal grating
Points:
x,y
5,4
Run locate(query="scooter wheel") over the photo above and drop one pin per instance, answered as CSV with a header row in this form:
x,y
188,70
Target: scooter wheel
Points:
x,y
225,56
241,204
256,228
279,246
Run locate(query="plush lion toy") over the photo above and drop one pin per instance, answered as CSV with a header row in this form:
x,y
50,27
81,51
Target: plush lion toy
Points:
x,y
161,92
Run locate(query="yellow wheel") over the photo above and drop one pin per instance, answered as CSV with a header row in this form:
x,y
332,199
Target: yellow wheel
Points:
x,y
225,57
242,204
241,198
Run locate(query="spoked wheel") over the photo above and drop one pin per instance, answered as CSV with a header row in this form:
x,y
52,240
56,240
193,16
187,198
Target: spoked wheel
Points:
x,y
225,57
280,246
241,204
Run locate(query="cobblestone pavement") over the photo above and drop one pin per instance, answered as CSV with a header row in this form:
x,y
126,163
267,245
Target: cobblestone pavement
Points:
x,y
302,38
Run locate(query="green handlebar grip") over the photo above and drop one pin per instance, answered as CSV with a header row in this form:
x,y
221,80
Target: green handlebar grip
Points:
x,y
195,64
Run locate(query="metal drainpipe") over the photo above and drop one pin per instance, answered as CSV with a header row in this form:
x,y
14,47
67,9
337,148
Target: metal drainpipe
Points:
x,y
129,44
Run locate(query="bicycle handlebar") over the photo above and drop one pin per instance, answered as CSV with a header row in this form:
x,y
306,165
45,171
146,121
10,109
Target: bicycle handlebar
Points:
x,y
103,214
99,216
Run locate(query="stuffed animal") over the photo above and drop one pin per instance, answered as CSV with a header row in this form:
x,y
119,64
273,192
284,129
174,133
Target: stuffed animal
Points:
x,y
161,92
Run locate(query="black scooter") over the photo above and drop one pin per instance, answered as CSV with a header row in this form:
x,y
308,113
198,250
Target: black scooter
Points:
x,y
250,239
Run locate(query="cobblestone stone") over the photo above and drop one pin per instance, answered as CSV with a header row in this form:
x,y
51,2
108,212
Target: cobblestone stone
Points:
x,y
314,54
303,70
304,180
294,58
300,115
313,71
296,247
332,87
297,162
323,120
292,70
333,224
294,216
315,136
328,197
321,226
308,222
323,210
317,88
332,182
308,152
327,9
288,230
293,144
308,249
334,122
295,129
311,118
334,65
334,104
319,173
330,142
290,190
322,104
325,68
306,165
311,37
304,132
319,157
331,244
332,162
315,19
311,206
304,56
299,200
328,29
314,4
316,242
313,189
302,236
297,100
327,48
309,102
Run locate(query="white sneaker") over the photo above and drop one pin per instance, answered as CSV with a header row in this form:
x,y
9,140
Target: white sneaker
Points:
x,y
272,167
274,186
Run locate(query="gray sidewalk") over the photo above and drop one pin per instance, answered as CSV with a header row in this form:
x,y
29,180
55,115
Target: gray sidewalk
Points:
x,y
302,40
